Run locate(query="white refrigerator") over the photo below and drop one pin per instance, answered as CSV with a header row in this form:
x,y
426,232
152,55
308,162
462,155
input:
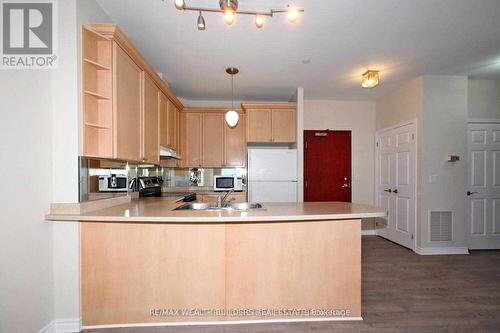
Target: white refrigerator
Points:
x,y
272,175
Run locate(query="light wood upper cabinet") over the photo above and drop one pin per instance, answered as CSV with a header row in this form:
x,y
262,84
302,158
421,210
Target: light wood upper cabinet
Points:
x,y
207,141
259,125
97,91
150,121
127,78
178,131
191,127
235,144
271,122
284,126
128,111
163,105
169,124
173,127
213,140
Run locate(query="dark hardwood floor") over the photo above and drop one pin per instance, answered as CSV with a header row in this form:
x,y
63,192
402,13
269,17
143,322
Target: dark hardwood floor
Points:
x,y
402,292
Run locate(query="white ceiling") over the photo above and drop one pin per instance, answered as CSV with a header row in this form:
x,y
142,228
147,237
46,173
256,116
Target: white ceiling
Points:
x,y
341,38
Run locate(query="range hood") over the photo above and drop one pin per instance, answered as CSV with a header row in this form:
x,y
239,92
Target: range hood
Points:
x,y
167,153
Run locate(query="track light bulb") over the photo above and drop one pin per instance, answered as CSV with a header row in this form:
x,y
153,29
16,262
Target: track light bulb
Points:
x,y
293,14
201,22
180,4
229,17
259,21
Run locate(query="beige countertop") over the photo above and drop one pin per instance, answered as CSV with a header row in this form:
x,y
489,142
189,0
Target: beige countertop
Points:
x,y
161,210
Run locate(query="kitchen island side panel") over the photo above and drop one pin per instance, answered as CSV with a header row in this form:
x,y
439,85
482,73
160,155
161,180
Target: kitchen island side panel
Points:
x,y
294,266
130,270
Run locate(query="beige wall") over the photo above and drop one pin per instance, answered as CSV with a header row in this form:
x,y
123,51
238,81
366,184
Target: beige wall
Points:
x,y
439,106
26,290
484,99
359,117
444,132
401,105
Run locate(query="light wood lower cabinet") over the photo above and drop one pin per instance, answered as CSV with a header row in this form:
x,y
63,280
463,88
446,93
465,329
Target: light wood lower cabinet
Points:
x,y
150,122
127,78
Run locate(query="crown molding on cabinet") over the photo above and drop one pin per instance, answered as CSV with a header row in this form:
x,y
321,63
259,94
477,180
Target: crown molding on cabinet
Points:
x,y
113,32
211,110
268,105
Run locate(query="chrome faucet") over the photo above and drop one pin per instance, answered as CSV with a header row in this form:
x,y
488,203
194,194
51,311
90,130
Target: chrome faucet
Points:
x,y
221,199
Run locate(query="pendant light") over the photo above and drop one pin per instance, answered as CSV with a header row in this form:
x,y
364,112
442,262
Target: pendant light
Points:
x,y
201,22
232,117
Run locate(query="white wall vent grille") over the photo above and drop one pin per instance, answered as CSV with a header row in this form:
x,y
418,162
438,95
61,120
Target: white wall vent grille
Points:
x,y
441,226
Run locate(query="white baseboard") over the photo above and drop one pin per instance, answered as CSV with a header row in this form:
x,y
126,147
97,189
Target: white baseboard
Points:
x,y
432,251
63,326
369,232
224,322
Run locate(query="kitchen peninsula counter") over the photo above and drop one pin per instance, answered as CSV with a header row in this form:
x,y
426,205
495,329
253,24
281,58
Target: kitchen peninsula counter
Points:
x,y
162,210
143,263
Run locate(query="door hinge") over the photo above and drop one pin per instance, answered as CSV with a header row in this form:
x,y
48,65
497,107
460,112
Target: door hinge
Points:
x,y
306,145
376,144
413,136
411,236
305,183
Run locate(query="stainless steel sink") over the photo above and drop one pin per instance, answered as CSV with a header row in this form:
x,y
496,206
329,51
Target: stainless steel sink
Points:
x,y
243,206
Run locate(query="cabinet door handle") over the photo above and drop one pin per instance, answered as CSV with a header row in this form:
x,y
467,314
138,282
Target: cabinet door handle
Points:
x,y
388,190
395,191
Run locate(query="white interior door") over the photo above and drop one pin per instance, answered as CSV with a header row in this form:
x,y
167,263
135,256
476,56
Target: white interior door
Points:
x,y
396,176
484,186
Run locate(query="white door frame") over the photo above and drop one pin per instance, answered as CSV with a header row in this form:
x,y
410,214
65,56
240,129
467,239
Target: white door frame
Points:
x,y
469,122
413,122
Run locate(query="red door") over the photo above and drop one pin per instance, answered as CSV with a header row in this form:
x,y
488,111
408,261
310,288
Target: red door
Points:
x,y
327,166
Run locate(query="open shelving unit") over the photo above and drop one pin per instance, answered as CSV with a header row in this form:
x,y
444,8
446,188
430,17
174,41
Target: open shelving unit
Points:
x,y
97,93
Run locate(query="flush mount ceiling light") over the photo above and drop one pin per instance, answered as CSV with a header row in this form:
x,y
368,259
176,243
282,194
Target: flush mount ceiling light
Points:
x,y
229,8
370,79
232,117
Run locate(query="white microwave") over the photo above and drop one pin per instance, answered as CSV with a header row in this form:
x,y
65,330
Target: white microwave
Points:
x,y
228,183
113,183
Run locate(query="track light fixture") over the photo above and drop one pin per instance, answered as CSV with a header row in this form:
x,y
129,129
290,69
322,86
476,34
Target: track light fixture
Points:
x,y
180,4
229,8
259,21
